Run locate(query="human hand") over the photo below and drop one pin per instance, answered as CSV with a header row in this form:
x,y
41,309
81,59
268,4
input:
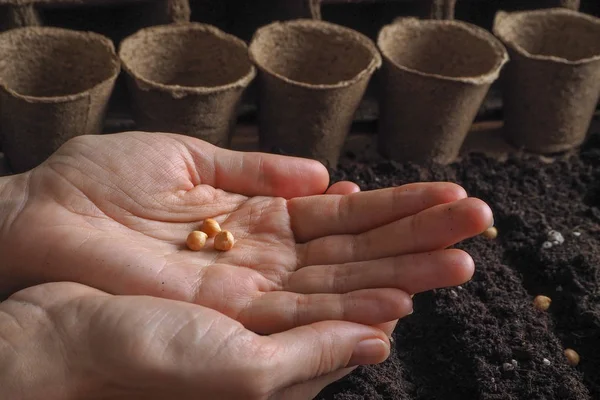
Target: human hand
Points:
x,y
68,341
113,212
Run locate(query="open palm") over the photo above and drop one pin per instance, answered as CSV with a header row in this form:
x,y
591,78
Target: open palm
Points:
x,y
113,212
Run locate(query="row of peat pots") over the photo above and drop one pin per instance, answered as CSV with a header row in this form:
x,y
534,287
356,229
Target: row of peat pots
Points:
x,y
189,78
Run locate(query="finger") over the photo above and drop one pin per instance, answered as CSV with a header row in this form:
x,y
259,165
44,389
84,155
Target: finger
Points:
x,y
388,327
343,188
279,311
435,228
256,174
317,350
318,216
310,389
411,273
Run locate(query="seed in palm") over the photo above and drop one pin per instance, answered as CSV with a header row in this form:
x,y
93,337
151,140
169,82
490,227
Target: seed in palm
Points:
x,y
196,240
210,227
224,241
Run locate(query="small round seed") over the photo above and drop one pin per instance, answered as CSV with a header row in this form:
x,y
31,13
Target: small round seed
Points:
x,y
572,357
542,303
224,241
490,233
508,367
196,240
210,227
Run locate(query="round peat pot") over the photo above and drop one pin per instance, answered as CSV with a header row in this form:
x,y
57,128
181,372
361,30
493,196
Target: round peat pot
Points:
x,y
187,78
312,77
552,84
434,78
54,85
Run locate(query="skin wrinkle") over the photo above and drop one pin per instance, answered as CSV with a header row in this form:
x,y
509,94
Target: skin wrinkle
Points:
x,y
276,281
145,190
199,157
67,340
49,323
122,211
157,319
119,188
298,310
339,279
188,161
224,344
216,178
8,186
397,273
196,285
413,227
302,252
261,173
345,208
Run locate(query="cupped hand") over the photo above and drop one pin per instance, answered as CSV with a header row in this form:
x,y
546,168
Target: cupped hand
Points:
x,y
113,212
68,341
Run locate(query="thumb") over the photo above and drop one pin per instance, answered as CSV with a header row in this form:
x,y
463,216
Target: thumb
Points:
x,y
256,173
318,349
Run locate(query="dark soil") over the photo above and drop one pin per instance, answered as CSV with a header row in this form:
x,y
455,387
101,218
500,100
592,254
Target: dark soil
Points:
x,y
485,340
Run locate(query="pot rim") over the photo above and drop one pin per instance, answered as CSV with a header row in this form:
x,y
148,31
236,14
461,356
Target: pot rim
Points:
x,y
504,16
180,90
55,32
319,25
474,30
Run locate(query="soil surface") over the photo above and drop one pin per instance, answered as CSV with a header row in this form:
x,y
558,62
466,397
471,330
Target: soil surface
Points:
x,y
485,340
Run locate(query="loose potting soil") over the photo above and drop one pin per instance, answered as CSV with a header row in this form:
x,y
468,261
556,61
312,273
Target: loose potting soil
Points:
x,y
485,340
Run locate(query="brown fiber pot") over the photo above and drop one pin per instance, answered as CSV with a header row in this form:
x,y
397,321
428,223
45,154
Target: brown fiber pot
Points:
x,y
434,78
552,84
312,77
55,85
187,79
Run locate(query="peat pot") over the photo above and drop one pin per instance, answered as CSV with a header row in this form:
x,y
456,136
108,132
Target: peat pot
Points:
x,y
435,76
552,84
312,77
187,78
54,85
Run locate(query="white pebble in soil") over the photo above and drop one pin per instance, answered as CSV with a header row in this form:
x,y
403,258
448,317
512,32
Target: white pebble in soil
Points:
x,y
546,245
545,361
555,237
576,234
508,367
453,293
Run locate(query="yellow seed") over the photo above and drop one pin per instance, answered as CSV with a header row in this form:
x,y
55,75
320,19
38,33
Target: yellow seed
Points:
x,y
542,303
196,240
490,233
211,227
224,241
572,357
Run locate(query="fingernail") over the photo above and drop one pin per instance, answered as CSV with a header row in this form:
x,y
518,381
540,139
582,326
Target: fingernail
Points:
x,y
370,351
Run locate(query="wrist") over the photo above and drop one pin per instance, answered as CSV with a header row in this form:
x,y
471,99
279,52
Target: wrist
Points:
x,y
32,364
